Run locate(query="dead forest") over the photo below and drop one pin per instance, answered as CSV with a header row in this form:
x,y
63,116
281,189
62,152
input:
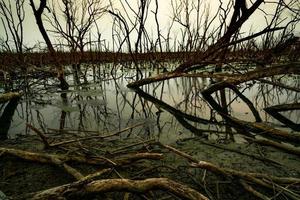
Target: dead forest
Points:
x,y
203,106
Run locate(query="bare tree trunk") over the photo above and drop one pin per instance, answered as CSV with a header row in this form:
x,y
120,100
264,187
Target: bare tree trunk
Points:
x,y
38,17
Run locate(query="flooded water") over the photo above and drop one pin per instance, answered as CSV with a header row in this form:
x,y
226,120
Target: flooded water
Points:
x,y
171,109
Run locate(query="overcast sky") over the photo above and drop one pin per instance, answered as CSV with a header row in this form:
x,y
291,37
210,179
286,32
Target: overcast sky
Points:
x,y
255,23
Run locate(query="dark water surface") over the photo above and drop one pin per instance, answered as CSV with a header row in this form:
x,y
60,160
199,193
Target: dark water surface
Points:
x,y
171,109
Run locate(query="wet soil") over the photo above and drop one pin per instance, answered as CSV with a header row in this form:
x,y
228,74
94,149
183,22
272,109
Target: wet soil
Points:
x,y
18,177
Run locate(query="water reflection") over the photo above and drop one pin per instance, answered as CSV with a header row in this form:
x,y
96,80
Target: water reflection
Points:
x,y
6,117
172,109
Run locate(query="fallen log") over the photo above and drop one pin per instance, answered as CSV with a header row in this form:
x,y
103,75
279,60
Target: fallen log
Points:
x,y
263,180
8,96
256,178
265,129
287,148
48,158
81,188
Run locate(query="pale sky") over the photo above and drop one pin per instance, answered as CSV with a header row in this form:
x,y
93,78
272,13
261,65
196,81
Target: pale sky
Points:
x,y
255,23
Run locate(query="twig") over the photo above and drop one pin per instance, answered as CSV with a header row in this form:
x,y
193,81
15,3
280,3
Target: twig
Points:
x,y
96,137
39,133
253,191
180,153
242,153
132,145
90,177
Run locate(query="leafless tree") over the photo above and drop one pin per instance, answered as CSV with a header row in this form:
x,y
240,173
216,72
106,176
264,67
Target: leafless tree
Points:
x,y
12,17
234,15
38,12
157,26
74,20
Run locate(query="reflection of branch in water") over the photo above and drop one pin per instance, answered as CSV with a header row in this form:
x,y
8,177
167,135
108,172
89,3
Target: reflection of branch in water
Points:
x,y
124,98
269,95
63,113
260,128
279,84
274,111
179,115
248,102
193,100
225,108
62,120
41,120
6,117
171,109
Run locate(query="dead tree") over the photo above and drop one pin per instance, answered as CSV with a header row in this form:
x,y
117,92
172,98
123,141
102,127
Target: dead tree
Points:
x,y
12,18
211,55
76,22
73,21
38,12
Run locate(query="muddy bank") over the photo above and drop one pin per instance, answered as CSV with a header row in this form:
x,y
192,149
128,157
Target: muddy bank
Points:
x,y
20,176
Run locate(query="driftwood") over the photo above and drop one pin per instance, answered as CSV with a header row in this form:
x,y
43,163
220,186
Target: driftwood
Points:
x,y
284,147
255,178
82,188
241,152
265,129
48,158
214,168
244,175
8,96
72,171
235,79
